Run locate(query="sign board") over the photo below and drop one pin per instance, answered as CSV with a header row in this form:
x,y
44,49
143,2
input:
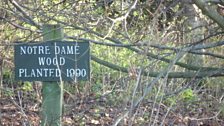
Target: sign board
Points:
x,y
52,61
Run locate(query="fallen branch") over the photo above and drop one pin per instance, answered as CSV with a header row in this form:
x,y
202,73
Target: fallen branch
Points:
x,y
199,74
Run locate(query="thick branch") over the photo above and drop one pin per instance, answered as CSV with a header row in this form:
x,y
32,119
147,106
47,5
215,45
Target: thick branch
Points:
x,y
212,1
193,51
208,54
214,73
211,13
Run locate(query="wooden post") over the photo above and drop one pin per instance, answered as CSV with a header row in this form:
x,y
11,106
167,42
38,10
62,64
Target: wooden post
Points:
x,y
52,92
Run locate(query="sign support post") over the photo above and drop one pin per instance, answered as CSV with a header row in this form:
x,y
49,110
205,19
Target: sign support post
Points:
x,y
52,92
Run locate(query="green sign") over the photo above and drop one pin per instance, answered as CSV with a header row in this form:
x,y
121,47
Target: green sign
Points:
x,y
52,61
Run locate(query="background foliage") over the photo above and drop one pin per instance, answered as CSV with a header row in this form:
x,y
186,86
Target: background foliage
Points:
x,y
154,62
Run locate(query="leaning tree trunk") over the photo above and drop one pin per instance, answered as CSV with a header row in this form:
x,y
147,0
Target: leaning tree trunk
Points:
x,y
192,33
1,75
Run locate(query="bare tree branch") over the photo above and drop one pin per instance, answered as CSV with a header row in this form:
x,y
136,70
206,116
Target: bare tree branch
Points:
x,y
194,51
211,13
20,9
199,74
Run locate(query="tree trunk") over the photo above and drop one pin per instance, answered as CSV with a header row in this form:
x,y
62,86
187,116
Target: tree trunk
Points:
x,y
196,33
1,75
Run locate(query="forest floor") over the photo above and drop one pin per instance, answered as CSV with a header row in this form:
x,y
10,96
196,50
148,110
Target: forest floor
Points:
x,y
99,111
